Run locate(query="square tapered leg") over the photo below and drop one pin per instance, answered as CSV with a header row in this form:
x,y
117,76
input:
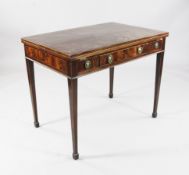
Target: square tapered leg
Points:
x,y
111,82
159,67
31,79
72,87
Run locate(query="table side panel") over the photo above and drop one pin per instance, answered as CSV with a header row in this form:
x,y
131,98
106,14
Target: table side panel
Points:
x,y
45,58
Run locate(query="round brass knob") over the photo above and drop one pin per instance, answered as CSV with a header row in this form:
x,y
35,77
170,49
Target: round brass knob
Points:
x,y
110,59
88,64
156,45
140,49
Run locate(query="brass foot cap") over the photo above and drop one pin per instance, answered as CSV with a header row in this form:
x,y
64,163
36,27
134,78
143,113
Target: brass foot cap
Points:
x,y
36,124
110,95
75,156
154,115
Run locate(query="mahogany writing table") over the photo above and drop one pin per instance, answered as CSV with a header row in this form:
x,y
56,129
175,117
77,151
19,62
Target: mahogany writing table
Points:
x,y
81,51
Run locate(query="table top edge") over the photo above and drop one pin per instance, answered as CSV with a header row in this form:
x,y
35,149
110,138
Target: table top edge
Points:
x,y
96,51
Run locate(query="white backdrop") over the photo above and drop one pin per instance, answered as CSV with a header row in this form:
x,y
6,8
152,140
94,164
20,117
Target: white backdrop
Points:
x,y
130,142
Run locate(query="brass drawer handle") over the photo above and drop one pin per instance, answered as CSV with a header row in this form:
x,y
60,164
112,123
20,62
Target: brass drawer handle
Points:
x,y
110,59
88,64
156,45
140,50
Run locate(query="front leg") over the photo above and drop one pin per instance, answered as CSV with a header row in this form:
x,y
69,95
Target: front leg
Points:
x,y
31,79
159,67
72,87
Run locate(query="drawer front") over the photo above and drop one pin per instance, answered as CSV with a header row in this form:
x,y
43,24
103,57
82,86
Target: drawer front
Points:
x,y
47,59
143,49
102,61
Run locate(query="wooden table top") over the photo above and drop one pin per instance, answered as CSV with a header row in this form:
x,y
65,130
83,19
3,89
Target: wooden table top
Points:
x,y
83,40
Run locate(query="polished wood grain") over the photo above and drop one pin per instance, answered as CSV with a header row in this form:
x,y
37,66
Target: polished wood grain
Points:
x,y
78,41
74,68
63,50
100,62
81,51
47,59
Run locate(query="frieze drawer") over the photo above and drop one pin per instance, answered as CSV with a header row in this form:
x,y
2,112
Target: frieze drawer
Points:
x,y
117,57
